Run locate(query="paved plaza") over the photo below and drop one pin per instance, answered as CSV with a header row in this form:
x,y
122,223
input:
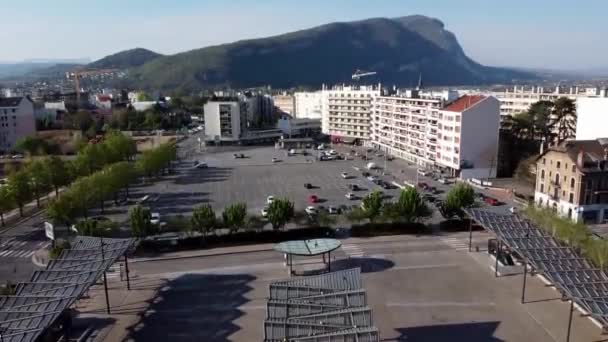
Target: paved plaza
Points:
x,y
420,289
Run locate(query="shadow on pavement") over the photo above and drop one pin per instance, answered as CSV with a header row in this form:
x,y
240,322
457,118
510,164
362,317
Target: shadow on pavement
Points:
x,y
367,265
194,307
212,174
470,332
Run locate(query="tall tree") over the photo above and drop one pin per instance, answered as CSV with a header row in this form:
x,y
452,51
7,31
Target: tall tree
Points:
x,y
372,205
39,179
564,119
20,189
234,216
280,212
6,202
139,221
57,171
460,197
409,208
203,219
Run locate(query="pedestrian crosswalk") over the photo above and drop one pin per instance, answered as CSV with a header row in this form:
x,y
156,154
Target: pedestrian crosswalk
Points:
x,y
353,250
457,243
15,248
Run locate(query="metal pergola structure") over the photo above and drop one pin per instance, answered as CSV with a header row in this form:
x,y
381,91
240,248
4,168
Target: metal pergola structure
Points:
x,y
39,303
327,307
571,274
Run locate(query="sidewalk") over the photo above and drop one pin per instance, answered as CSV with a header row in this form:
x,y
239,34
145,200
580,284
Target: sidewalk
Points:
x,y
206,252
12,218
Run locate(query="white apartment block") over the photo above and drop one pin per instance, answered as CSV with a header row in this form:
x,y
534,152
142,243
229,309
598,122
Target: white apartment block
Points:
x,y
460,138
285,103
16,120
592,118
346,112
224,120
308,105
519,99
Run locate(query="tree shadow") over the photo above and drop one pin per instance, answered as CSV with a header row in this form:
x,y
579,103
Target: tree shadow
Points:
x,y
470,332
367,265
196,176
194,307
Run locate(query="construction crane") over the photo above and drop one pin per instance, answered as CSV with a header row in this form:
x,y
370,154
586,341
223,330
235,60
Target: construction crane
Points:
x,y
360,73
76,75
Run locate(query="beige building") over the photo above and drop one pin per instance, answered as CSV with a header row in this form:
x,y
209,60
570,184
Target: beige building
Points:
x,y
285,103
572,178
16,120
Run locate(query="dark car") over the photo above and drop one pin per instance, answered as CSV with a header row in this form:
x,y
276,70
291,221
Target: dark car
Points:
x,y
307,185
491,201
378,182
386,185
365,174
353,187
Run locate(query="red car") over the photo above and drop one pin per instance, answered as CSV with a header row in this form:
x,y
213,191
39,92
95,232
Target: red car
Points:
x,y
491,201
313,199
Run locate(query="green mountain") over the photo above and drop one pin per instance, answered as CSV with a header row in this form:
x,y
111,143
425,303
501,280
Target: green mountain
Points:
x,y
125,59
398,49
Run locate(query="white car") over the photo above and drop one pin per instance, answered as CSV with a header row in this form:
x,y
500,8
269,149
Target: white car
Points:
x,y
269,200
372,178
264,212
311,210
333,210
345,175
202,165
155,218
444,181
321,147
351,196
275,160
513,210
333,152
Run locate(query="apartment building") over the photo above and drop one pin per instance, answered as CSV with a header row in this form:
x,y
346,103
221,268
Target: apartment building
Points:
x,y
459,137
225,120
16,120
308,105
347,111
519,99
572,179
592,117
285,103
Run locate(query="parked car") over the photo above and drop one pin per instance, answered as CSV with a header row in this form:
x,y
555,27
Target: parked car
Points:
x,y
310,210
313,199
264,212
345,175
155,218
291,152
354,187
444,181
423,173
513,210
275,160
269,199
386,185
202,165
372,178
307,186
333,210
239,156
491,201
365,174
351,196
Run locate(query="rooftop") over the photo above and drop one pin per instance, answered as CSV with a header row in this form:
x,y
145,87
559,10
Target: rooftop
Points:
x,y
463,103
594,153
10,101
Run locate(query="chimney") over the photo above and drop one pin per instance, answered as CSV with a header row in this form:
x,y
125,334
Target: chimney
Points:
x,y
557,89
579,158
542,147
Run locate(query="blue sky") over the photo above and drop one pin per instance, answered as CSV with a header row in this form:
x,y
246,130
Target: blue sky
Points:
x,y
532,33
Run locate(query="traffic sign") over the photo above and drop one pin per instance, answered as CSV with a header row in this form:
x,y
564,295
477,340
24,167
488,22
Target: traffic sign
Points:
x,y
49,230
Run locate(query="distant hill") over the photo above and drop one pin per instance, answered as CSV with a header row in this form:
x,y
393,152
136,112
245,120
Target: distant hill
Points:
x,y
125,59
399,50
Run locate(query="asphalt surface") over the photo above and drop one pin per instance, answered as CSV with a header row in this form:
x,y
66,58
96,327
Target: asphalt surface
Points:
x,y
427,288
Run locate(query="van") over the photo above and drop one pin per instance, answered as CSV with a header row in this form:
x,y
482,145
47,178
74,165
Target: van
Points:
x,y
371,166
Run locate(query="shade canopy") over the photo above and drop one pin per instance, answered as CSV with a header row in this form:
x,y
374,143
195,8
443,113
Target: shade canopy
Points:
x,y
308,247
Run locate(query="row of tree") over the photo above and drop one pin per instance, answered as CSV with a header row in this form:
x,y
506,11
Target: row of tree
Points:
x,y
107,183
410,207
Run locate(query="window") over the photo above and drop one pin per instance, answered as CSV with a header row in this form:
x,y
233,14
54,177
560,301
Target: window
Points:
x,y
542,188
544,161
542,174
566,166
573,168
572,181
559,164
571,198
